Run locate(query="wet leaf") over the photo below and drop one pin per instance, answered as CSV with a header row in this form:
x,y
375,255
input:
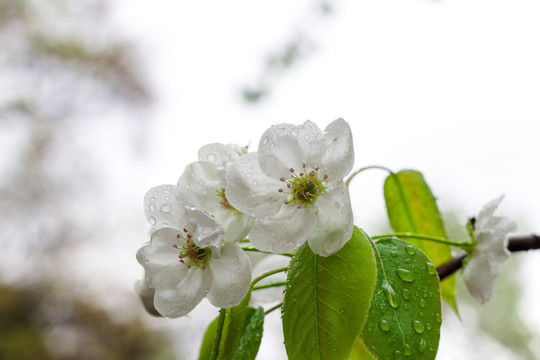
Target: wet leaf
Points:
x,y
405,316
412,208
327,300
250,341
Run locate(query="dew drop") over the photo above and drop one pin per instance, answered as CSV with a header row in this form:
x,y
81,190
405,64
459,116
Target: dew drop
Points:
x,y
410,250
294,133
341,310
428,326
438,318
370,328
211,157
408,351
405,275
431,268
406,294
422,345
394,253
418,326
248,175
265,140
422,303
391,295
166,208
152,220
152,207
153,199
384,325
425,293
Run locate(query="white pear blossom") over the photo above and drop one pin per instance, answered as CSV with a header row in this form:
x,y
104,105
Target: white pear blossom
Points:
x,y
202,185
489,253
187,258
294,188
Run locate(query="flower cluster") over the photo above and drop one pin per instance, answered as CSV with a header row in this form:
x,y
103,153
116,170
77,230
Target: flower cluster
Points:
x,y
288,192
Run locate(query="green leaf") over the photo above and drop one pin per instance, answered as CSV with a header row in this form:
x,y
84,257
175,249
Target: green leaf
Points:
x,y
208,340
249,343
412,208
229,328
405,315
327,300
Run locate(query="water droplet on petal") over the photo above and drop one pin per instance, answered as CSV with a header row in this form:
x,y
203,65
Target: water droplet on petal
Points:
x,y
418,326
294,133
166,208
211,157
384,325
152,207
405,275
152,220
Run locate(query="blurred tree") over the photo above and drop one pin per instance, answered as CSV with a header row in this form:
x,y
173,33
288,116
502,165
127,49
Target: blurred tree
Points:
x,y
39,324
63,70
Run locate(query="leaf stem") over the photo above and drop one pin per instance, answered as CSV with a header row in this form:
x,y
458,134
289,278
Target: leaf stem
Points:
x,y
436,239
349,179
251,248
273,308
267,274
274,284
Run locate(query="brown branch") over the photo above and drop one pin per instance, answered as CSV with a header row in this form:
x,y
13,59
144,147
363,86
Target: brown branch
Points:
x,y
515,243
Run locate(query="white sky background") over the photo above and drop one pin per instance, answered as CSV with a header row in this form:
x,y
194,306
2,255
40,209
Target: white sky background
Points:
x,y
449,87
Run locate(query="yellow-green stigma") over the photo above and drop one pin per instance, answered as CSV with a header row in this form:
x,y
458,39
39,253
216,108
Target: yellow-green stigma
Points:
x,y
224,202
191,255
304,187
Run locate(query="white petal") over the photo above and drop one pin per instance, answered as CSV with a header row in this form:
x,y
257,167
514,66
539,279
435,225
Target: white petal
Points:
x,y
162,207
250,191
182,299
160,259
199,185
146,294
206,231
479,278
219,153
287,146
231,277
339,157
236,225
334,222
486,213
283,232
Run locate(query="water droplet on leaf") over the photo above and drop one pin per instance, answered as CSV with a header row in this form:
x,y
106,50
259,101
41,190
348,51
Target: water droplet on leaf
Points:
x,y
384,325
422,345
405,275
418,326
391,295
410,250
431,268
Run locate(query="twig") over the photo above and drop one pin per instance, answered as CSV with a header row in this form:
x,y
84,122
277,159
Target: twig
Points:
x,y
515,243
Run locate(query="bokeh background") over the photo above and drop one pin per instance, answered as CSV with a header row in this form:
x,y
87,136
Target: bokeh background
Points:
x,y
101,100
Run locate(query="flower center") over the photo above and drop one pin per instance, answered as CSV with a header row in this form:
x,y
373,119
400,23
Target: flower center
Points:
x,y
224,202
304,187
190,254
